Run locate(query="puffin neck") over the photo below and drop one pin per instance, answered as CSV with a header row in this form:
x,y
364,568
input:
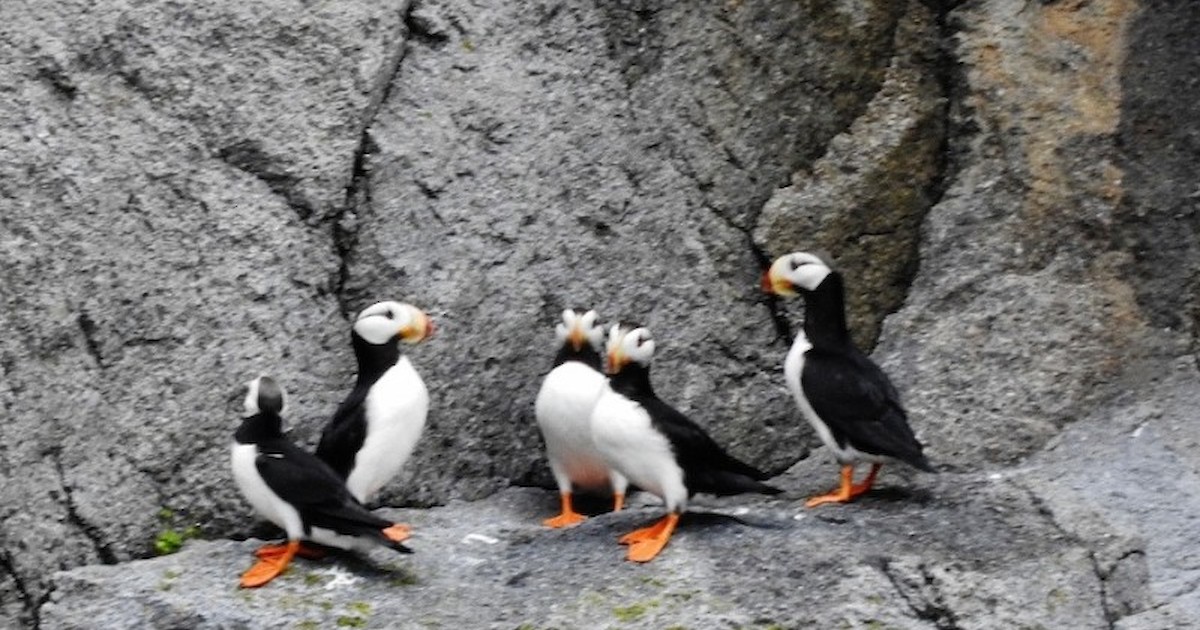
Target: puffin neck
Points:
x,y
374,360
258,428
632,381
825,313
586,355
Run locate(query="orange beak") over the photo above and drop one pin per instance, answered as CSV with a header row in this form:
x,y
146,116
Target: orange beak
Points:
x,y
577,338
614,361
776,285
418,333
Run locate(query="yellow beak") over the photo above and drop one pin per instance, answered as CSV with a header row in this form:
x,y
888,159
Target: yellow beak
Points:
x,y
577,338
616,361
772,283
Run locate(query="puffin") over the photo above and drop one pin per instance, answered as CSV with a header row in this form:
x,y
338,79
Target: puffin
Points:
x,y
564,410
655,446
295,490
375,429
846,397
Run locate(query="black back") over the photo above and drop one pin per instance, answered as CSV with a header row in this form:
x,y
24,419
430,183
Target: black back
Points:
x,y
848,391
706,466
346,431
309,484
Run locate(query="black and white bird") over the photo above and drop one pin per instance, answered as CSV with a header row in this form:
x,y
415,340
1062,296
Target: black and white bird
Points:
x,y
655,446
564,411
375,429
846,398
296,491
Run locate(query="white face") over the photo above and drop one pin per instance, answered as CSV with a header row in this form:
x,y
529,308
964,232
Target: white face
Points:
x,y
627,346
385,321
578,329
794,271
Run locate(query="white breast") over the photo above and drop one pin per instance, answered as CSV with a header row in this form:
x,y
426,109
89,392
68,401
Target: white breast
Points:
x,y
396,407
259,494
627,440
564,411
793,368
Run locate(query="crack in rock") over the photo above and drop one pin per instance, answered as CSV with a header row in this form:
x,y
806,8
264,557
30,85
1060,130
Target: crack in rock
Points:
x,y
931,606
89,530
32,608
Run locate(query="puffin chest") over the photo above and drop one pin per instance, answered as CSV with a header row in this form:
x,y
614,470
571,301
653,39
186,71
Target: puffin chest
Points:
x,y
793,371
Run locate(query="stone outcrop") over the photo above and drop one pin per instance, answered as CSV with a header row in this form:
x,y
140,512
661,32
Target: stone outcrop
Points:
x,y
194,194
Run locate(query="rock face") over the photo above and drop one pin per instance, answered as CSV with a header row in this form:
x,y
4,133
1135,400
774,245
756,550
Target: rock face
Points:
x,y
194,195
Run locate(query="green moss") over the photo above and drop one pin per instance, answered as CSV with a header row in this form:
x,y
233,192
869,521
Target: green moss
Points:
x,y
633,612
351,621
404,577
652,581
313,579
362,608
308,624
171,538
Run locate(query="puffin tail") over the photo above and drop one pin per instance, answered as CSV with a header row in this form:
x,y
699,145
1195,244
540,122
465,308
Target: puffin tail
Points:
x,y
724,483
920,462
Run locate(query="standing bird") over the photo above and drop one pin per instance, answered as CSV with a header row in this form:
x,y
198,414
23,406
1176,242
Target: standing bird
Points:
x,y
296,491
564,411
373,432
846,398
657,447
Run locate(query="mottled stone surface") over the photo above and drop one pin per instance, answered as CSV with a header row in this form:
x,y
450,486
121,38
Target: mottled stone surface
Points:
x,y
191,195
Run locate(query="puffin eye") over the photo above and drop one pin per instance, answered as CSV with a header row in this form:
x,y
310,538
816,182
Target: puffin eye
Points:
x,y
388,314
640,340
795,264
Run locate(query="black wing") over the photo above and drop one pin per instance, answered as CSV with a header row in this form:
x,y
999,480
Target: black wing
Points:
x,y
706,466
317,492
345,432
299,477
858,403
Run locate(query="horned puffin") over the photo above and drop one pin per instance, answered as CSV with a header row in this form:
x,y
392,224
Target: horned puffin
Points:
x,y
564,411
657,447
374,430
294,490
846,398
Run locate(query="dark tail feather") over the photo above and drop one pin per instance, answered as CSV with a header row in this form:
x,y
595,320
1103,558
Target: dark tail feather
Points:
x,y
724,483
352,519
919,462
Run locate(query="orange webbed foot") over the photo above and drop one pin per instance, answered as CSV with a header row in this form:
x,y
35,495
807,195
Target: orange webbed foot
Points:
x,y
307,552
848,490
650,541
398,532
269,567
618,501
568,517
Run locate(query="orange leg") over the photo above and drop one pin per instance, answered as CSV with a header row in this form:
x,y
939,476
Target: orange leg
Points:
x,y
848,490
398,532
862,488
267,569
305,551
568,517
618,501
646,543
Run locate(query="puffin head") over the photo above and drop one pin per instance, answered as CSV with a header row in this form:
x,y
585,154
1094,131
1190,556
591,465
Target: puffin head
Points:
x,y
264,396
579,328
798,271
384,322
628,343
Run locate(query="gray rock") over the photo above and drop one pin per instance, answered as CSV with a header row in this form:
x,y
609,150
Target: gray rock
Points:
x,y
958,552
147,269
193,195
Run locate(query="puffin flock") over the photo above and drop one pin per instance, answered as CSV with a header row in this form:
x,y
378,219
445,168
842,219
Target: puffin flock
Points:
x,y
603,425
